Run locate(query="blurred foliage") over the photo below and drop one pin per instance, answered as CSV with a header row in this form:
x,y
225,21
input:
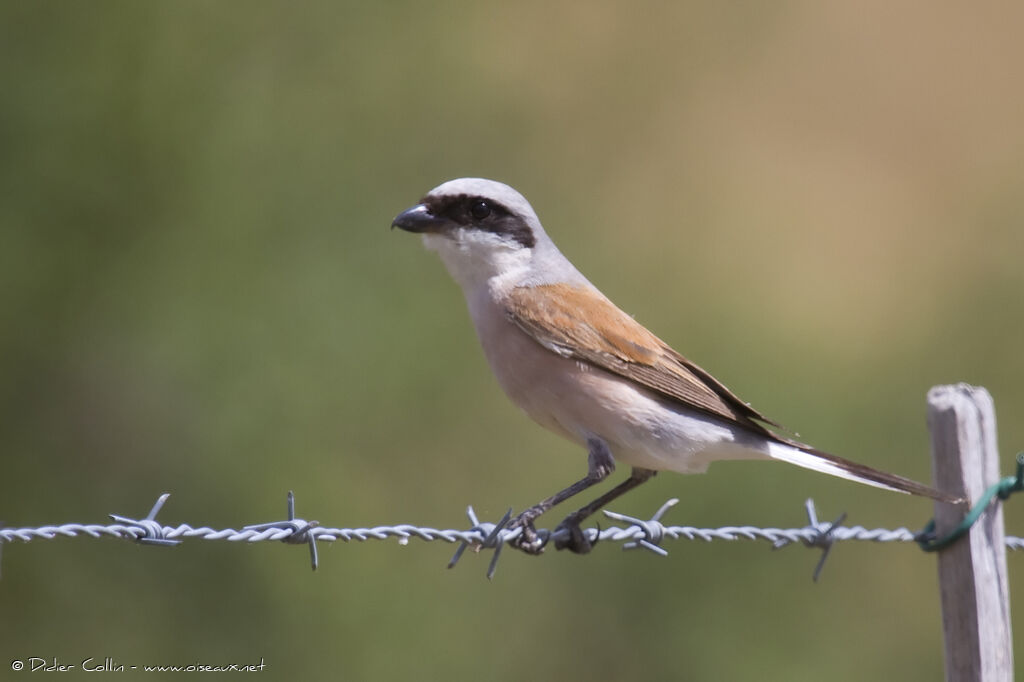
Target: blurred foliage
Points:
x,y
821,203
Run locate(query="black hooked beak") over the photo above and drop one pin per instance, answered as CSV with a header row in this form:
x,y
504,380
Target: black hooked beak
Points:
x,y
418,219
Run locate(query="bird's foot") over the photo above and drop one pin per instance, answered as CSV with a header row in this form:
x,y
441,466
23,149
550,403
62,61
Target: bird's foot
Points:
x,y
568,535
528,540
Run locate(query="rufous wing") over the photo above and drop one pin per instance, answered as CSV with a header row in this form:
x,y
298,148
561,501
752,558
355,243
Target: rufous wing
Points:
x,y
582,323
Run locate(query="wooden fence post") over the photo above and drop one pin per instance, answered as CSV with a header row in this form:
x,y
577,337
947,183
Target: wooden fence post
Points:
x,y
972,571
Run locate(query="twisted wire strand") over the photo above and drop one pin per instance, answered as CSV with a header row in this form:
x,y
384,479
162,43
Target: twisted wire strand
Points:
x,y
479,534
636,533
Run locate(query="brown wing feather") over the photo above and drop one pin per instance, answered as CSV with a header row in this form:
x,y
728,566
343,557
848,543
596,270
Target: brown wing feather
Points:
x,y
612,340
606,337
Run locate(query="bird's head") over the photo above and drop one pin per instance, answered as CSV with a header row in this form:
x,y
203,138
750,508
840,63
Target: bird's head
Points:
x,y
484,229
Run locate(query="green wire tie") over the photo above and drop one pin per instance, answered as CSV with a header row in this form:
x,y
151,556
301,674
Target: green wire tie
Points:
x,y
1003,489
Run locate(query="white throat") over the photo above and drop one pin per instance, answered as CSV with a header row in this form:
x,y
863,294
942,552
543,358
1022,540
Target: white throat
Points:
x,y
478,260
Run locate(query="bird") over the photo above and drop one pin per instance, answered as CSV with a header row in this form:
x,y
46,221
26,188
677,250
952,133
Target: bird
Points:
x,y
581,367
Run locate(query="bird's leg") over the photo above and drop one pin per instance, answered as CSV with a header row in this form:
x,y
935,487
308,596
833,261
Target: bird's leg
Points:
x,y
599,466
577,541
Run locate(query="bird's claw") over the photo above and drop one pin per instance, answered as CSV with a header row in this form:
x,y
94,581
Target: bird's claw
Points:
x,y
568,535
528,540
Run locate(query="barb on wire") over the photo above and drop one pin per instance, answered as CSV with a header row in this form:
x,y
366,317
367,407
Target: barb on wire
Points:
x,y
151,532
634,533
300,530
653,531
824,537
491,533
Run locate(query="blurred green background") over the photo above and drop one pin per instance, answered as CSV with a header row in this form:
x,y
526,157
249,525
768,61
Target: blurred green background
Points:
x,y
823,204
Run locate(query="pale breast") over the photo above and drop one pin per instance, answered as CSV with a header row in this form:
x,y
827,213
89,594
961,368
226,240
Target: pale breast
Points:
x,y
578,401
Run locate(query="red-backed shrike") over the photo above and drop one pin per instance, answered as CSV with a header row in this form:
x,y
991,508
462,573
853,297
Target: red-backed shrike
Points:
x,y
584,369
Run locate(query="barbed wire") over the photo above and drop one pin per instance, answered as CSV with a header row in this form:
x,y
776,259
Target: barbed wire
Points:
x,y
636,533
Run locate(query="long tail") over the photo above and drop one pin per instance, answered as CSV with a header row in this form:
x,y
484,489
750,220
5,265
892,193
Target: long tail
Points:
x,y
826,463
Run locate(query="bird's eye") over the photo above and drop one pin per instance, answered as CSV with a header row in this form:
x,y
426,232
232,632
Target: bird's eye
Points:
x,y
479,209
